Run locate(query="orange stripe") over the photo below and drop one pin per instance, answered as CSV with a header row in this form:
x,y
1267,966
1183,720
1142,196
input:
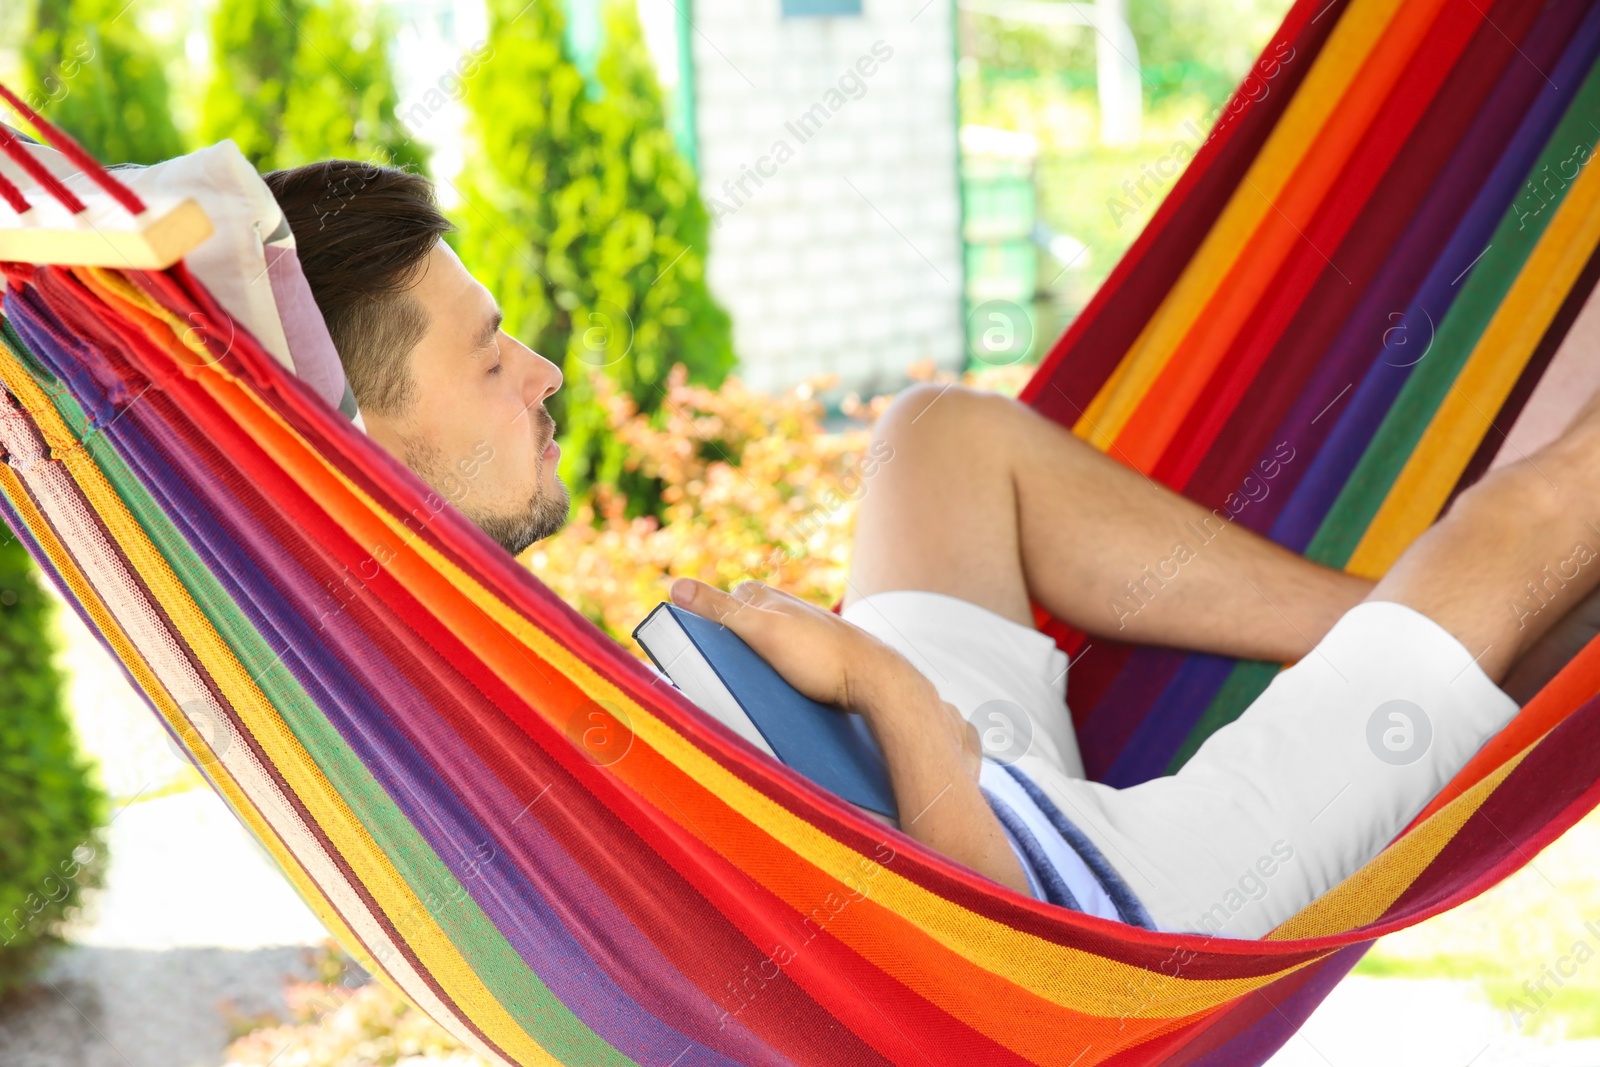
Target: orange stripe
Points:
x,y
889,939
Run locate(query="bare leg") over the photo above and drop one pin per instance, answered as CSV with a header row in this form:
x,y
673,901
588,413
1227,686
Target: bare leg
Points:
x,y
984,500
1515,553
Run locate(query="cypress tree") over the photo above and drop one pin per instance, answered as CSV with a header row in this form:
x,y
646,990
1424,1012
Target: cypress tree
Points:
x,y
342,97
522,226
51,809
586,222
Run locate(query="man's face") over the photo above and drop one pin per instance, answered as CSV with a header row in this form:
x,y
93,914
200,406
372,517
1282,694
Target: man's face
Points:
x,y
476,429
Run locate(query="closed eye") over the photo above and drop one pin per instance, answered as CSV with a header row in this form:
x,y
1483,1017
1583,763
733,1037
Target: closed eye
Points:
x,y
489,340
491,348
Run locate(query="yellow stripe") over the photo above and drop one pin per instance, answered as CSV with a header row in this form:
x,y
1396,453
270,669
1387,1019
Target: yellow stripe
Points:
x,y
371,866
1359,30
1366,895
1486,379
1069,977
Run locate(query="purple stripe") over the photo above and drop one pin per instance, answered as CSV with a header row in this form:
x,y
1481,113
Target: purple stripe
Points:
x,y
1166,726
1262,1024
1105,735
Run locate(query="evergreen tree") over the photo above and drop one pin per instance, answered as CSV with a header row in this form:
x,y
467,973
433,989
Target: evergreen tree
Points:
x,y
90,72
342,98
296,81
587,223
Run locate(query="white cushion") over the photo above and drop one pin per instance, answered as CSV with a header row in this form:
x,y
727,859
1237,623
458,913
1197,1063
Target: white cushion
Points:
x,y
248,264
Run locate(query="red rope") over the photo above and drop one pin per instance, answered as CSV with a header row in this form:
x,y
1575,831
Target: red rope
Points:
x,y
11,146
64,143
13,196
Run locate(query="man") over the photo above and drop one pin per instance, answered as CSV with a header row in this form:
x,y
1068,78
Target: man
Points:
x,y
986,508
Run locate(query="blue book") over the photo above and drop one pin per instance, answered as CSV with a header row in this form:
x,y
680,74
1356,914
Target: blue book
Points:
x,y
722,675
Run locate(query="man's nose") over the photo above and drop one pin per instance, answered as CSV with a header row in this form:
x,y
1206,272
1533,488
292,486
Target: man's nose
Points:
x,y
542,377
546,376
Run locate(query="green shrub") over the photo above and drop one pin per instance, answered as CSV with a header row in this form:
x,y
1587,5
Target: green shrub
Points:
x,y
296,81
51,810
585,221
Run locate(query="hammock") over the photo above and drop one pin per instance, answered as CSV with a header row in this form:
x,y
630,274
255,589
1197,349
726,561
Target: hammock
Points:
x,y
493,807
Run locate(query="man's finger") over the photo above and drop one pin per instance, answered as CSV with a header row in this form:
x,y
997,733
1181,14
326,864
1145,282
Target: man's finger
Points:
x,y
706,601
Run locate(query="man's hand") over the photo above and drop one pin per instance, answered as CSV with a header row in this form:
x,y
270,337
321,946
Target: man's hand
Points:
x,y
933,754
816,651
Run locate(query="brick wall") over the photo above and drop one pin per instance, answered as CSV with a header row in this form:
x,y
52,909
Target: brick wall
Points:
x,y
837,246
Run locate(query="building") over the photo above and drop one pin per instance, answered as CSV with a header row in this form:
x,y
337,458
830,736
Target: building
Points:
x,y
827,150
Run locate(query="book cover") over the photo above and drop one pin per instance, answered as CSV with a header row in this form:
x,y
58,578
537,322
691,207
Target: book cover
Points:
x,y
722,675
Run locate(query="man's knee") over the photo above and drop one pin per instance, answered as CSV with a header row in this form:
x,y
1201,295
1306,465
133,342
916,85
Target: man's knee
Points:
x,y
930,411
919,405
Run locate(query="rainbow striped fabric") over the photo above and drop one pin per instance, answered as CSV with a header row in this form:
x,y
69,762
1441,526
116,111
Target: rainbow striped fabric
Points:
x,y
493,806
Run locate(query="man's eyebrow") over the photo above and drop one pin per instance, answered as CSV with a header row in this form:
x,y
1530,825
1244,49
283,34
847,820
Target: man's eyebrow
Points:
x,y
490,328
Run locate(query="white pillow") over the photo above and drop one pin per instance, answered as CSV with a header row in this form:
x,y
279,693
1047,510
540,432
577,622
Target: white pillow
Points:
x,y
249,263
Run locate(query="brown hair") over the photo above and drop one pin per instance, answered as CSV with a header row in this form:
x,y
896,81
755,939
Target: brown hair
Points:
x,y
363,233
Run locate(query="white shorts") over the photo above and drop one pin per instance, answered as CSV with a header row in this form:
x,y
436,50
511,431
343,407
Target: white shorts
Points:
x,y
1334,758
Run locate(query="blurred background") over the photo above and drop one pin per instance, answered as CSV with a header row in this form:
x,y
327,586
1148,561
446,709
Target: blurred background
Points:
x,y
740,226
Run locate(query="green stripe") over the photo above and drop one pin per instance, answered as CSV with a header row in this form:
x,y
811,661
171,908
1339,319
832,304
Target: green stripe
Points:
x,y
509,979
1458,334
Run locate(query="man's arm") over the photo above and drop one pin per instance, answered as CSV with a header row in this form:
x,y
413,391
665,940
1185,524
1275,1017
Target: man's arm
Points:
x,y
932,754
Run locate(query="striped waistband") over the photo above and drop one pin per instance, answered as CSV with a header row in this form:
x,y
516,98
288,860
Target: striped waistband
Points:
x,y
1063,866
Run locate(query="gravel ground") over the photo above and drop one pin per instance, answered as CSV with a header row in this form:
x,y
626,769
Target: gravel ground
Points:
x,y
193,928
123,1007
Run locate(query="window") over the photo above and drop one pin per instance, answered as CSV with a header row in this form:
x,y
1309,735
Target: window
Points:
x,y
794,8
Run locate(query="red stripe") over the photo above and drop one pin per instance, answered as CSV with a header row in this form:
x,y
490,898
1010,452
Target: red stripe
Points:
x,y
1553,787
1294,357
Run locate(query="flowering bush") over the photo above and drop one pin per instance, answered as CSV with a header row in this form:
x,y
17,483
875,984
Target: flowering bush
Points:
x,y
753,487
333,1025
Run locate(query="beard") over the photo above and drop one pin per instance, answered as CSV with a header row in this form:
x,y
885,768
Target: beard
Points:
x,y
515,528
